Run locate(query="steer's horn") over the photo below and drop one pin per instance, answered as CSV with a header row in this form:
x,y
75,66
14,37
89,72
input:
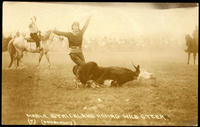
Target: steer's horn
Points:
x,y
133,65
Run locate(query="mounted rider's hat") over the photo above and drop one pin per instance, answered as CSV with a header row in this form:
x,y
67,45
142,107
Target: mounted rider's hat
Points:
x,y
34,18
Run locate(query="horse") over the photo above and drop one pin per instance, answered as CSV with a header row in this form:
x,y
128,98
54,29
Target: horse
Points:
x,y
192,47
20,44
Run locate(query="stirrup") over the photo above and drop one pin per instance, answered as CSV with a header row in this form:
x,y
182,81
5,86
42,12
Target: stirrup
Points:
x,y
40,48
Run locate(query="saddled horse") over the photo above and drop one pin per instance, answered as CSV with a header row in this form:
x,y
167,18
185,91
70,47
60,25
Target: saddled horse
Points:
x,y
192,47
19,44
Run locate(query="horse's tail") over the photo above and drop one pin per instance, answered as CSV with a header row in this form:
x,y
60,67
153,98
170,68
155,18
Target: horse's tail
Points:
x,y
5,42
11,48
12,51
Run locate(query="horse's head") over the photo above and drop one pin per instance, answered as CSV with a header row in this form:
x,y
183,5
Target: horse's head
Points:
x,y
51,36
48,32
188,37
48,35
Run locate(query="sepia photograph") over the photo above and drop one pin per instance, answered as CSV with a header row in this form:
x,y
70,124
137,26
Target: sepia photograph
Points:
x,y
100,63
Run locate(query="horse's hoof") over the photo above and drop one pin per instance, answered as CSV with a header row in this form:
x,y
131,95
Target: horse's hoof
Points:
x,y
11,68
19,68
7,68
23,67
49,66
76,87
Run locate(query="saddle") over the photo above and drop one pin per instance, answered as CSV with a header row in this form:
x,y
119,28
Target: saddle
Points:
x,y
30,40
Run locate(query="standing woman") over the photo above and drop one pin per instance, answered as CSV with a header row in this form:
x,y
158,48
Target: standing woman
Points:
x,y
75,39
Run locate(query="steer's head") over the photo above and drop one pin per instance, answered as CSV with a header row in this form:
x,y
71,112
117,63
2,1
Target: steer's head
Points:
x,y
146,75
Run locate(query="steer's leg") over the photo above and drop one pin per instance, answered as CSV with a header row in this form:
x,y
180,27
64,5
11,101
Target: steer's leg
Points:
x,y
100,80
114,83
77,83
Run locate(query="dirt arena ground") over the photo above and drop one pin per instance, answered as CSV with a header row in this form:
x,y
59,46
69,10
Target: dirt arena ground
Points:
x,y
51,91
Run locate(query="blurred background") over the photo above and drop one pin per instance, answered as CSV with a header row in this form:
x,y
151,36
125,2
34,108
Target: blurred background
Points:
x,y
114,26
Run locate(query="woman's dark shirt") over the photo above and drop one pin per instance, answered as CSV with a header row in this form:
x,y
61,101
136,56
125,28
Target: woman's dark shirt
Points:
x,y
74,40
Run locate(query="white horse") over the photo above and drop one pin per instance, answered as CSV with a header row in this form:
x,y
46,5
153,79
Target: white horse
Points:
x,y
19,44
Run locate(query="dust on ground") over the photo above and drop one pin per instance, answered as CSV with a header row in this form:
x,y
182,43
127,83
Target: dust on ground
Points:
x,y
46,91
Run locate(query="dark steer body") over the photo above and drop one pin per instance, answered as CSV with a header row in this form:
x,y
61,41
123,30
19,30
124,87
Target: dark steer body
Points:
x,y
91,71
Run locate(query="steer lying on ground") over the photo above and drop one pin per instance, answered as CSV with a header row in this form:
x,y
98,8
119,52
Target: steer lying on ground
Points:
x,y
91,71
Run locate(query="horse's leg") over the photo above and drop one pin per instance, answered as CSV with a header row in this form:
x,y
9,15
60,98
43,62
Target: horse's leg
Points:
x,y
12,53
14,59
11,60
40,58
47,57
19,57
17,62
188,58
23,53
21,62
194,55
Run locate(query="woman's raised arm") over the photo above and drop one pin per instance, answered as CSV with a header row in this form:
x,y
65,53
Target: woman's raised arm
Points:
x,y
86,25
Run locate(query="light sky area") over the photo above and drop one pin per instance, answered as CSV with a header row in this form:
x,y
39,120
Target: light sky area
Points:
x,y
119,19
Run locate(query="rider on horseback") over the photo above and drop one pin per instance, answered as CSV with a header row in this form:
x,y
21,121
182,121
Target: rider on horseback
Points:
x,y
189,43
34,32
195,36
192,41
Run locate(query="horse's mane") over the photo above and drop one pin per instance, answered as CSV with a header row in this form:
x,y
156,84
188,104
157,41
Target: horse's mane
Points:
x,y
46,35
